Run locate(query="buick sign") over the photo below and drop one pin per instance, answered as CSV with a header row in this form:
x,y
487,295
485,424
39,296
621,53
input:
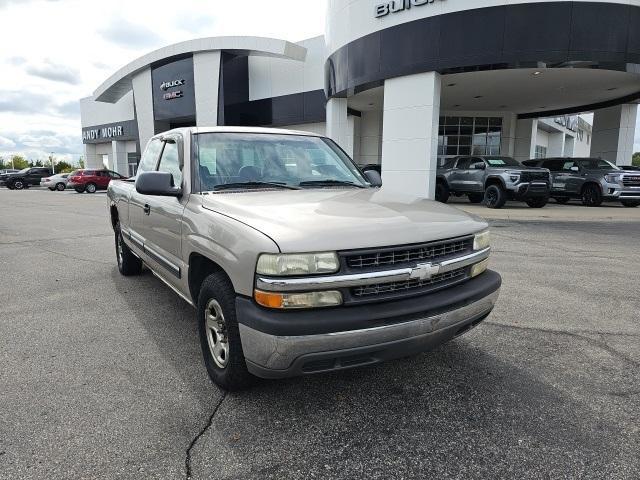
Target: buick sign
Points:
x,y
395,6
174,83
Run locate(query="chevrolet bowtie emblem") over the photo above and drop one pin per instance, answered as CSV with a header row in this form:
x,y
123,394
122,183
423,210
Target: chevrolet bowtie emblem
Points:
x,y
424,271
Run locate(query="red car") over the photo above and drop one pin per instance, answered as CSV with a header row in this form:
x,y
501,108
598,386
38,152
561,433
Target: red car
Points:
x,y
91,180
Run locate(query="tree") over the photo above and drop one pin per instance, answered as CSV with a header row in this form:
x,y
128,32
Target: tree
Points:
x,y
81,162
636,159
18,162
64,167
4,165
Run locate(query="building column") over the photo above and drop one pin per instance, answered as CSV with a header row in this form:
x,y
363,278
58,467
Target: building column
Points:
x,y
613,133
91,159
341,128
410,134
371,137
118,157
556,145
569,146
525,139
508,140
206,78
143,100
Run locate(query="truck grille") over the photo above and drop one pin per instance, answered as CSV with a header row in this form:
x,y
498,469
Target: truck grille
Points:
x,y
407,254
532,176
435,282
631,180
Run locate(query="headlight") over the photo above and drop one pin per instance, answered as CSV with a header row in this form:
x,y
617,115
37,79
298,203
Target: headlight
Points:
x,y
613,178
482,240
298,300
297,264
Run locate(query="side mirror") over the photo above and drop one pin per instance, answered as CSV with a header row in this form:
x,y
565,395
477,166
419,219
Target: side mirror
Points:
x,y
157,183
373,178
575,169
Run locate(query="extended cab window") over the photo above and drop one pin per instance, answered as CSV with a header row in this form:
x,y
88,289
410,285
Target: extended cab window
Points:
x,y
149,158
170,163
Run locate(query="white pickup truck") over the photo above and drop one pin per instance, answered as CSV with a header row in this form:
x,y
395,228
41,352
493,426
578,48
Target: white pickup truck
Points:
x,y
294,260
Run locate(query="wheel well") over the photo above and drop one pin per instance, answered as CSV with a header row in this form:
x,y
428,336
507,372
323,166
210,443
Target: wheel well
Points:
x,y
494,181
597,185
200,267
114,216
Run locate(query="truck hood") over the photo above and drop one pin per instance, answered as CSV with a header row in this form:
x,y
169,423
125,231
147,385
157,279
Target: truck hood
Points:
x,y
343,219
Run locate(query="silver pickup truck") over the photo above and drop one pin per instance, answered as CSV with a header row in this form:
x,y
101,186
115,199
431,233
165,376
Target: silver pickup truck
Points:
x,y
294,262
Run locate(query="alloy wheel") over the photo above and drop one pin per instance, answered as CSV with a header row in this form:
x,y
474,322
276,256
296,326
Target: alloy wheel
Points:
x,y
217,337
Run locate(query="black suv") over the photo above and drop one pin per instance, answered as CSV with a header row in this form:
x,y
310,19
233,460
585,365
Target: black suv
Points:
x,y
592,180
24,178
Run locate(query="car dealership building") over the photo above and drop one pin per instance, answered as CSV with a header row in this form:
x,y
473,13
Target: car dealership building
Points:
x,y
397,82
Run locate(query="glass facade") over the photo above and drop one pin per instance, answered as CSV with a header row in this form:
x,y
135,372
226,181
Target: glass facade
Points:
x,y
132,159
541,152
469,136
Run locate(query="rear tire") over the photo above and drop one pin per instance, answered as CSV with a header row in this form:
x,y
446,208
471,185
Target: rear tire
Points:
x,y
128,263
562,200
60,187
495,196
442,192
591,195
91,188
537,202
476,197
220,334
18,184
630,203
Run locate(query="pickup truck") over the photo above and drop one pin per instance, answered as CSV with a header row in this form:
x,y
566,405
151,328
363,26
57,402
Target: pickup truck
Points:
x,y
492,180
294,263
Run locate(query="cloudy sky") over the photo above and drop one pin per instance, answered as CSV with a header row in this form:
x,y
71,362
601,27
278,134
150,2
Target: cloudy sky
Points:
x,y
54,52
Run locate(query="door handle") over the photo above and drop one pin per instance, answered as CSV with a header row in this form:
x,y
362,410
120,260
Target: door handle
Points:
x,y
147,209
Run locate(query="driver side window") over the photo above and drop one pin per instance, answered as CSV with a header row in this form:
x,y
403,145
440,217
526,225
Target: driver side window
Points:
x,y
464,163
149,158
170,163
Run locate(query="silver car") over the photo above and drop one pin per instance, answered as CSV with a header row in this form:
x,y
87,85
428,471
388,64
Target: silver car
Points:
x,y
55,182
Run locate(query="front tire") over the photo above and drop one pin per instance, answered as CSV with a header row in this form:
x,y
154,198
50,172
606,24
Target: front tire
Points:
x,y
60,187
18,185
495,196
128,263
591,196
630,203
90,188
442,192
537,202
220,334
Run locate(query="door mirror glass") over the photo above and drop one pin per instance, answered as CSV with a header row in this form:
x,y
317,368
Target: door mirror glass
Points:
x,y
157,183
373,178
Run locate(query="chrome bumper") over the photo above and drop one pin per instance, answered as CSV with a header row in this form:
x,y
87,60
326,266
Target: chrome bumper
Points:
x,y
275,356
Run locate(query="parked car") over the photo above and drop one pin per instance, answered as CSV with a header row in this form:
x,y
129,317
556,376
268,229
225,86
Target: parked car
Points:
x,y
24,178
55,182
294,264
8,170
592,180
92,180
492,180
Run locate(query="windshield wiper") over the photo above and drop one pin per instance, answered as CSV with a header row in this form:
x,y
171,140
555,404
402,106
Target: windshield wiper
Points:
x,y
241,185
329,183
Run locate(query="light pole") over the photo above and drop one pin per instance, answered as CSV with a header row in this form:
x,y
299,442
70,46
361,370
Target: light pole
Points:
x,y
53,165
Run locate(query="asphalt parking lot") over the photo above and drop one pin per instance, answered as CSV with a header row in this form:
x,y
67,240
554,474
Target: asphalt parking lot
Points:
x,y
101,376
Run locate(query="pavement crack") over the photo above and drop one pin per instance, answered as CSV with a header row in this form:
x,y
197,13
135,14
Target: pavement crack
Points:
x,y
603,345
205,429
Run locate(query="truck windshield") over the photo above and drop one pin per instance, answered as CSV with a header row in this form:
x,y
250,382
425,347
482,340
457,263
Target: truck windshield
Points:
x,y
503,162
272,160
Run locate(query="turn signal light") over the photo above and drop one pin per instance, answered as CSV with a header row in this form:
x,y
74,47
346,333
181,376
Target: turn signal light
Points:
x,y
479,268
297,300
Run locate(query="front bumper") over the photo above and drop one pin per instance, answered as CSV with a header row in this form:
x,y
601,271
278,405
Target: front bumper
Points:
x,y
284,344
524,191
616,191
